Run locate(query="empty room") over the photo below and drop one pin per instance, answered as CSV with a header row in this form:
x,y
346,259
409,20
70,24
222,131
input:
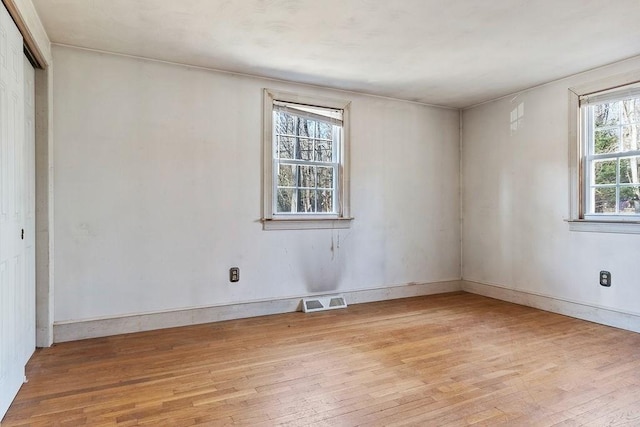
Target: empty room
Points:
x,y
319,212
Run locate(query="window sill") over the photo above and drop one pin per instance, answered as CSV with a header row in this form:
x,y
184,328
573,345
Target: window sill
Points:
x,y
306,223
625,227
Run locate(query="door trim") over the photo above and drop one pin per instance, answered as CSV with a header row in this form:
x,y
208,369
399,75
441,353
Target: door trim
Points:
x,y
31,46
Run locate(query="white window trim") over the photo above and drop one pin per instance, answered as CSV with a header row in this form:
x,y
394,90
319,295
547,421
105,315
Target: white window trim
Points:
x,y
576,220
342,219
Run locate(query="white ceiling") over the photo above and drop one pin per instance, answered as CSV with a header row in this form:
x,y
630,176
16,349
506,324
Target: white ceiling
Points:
x,y
453,53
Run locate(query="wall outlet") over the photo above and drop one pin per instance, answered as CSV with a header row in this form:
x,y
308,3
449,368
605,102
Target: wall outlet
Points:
x,y
234,274
605,278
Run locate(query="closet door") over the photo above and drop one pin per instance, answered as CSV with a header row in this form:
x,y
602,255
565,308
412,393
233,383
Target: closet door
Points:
x,y
15,306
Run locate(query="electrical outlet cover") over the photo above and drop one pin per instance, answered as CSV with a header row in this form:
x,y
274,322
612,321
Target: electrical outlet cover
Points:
x,y
605,278
234,274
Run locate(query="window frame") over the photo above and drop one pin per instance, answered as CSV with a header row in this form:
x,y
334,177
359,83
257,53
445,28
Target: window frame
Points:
x,y
589,128
272,220
579,188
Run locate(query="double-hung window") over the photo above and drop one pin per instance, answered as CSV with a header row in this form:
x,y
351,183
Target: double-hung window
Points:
x,y
604,155
306,153
611,166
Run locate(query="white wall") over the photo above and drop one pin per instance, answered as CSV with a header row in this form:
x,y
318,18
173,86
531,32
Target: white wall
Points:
x,y
516,198
158,192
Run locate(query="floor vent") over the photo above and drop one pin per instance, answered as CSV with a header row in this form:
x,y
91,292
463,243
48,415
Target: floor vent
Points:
x,y
329,302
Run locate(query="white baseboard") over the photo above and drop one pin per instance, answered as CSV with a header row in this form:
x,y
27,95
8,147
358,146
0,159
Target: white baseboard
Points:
x,y
601,315
77,330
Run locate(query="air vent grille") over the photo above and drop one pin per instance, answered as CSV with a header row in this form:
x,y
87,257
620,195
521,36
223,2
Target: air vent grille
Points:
x,y
321,303
337,302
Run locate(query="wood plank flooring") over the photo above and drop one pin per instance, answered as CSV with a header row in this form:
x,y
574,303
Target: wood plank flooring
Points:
x,y
451,359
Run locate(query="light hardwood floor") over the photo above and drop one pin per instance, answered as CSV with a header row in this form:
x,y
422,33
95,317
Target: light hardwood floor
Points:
x,y
451,359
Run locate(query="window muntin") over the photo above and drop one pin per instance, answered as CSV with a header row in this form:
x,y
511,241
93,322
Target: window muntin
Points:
x,y
611,131
306,159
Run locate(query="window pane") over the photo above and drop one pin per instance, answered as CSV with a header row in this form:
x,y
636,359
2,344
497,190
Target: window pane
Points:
x,y
605,141
285,200
631,110
307,176
302,126
630,170
285,147
630,200
325,177
630,136
324,152
285,176
285,123
606,114
305,149
605,200
325,201
312,128
306,201
325,130
280,122
605,172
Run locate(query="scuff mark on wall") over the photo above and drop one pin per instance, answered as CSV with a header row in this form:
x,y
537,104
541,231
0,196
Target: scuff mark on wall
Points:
x,y
332,248
321,271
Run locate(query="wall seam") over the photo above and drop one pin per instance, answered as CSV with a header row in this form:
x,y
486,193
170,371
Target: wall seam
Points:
x,y
460,191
